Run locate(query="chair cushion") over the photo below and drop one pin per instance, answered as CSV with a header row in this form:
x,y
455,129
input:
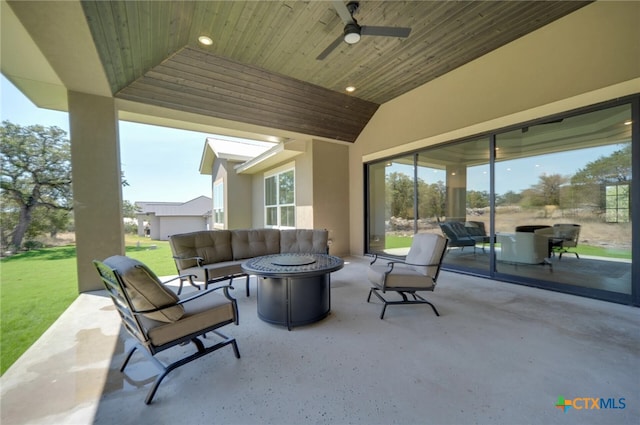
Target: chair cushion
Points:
x,y
403,276
145,289
251,243
567,232
212,246
426,248
201,313
303,241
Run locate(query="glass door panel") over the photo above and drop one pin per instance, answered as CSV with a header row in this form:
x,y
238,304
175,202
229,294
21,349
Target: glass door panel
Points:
x,y
391,207
562,191
454,200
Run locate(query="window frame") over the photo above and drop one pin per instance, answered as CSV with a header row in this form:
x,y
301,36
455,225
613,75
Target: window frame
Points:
x,y
279,205
218,205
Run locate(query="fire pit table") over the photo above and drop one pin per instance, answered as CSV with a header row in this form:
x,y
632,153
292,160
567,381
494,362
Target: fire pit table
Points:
x,y
293,289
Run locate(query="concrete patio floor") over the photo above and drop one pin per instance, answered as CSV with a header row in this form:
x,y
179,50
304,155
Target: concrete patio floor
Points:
x,y
499,354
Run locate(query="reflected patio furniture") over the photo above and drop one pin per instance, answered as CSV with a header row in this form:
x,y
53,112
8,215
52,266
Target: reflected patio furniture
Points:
x,y
522,248
458,236
476,229
568,234
158,319
419,272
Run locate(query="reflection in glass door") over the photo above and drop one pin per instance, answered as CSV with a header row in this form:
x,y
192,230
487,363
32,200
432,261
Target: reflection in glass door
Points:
x,y
391,208
562,201
557,216
455,201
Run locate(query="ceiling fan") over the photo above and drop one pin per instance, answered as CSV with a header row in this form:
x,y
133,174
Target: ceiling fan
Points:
x,y
352,31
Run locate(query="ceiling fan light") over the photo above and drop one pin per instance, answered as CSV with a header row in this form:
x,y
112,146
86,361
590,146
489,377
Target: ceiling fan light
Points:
x,y
351,33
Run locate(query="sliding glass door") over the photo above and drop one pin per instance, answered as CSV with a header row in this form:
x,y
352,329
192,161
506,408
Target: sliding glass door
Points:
x,y
547,203
563,201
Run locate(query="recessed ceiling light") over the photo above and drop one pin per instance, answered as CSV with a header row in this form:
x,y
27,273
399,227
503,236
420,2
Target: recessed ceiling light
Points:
x,y
350,89
207,41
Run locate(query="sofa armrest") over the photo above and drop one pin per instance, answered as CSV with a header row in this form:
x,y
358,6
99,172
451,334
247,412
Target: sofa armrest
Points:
x,y
199,260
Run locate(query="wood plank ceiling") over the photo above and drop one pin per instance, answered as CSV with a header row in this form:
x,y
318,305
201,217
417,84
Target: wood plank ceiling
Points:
x,y
262,69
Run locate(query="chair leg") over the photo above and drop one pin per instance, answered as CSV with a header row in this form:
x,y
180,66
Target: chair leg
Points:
x,y
417,299
248,285
166,369
126,360
369,297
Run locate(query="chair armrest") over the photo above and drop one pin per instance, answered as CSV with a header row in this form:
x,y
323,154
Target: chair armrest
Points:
x,y
197,294
199,260
391,264
182,276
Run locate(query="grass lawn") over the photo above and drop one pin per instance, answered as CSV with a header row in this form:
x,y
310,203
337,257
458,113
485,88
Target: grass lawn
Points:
x,y
37,286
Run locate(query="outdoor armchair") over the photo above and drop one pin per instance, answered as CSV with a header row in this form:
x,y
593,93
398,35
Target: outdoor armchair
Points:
x,y
458,235
568,234
419,272
158,319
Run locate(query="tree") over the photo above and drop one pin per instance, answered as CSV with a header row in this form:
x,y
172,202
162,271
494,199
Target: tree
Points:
x,y
400,193
35,175
130,209
590,182
432,199
546,192
509,198
477,199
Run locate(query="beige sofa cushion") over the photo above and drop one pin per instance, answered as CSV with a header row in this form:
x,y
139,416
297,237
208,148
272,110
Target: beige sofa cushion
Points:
x,y
145,289
213,246
250,243
303,241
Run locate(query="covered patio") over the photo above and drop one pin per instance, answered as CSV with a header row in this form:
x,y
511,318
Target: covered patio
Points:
x,y
499,353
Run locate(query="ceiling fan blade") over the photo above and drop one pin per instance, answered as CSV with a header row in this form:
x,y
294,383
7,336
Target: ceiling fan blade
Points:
x,y
386,31
331,47
343,12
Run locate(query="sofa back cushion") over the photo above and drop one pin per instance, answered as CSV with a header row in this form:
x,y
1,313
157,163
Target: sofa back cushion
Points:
x,y
213,246
249,243
145,289
304,241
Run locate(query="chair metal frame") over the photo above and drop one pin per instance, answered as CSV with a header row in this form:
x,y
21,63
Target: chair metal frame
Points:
x,y
208,280
404,291
130,318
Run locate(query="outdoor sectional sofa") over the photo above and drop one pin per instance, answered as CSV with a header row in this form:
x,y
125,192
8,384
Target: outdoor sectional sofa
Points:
x,y
210,256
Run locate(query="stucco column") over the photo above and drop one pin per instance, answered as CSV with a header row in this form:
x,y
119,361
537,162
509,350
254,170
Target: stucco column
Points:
x,y
97,191
456,192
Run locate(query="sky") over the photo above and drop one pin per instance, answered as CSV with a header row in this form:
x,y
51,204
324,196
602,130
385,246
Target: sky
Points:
x,y
160,164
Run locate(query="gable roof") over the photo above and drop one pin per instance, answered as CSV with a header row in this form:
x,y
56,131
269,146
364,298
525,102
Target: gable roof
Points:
x,y
199,207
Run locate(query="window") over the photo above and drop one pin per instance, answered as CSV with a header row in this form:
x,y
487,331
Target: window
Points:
x,y
617,200
279,199
218,204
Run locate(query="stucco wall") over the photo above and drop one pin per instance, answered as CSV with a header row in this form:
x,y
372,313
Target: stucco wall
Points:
x,y
587,57
322,191
331,193
237,194
167,226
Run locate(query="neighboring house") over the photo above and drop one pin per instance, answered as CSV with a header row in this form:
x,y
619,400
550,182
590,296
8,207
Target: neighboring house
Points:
x,y
163,219
289,184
